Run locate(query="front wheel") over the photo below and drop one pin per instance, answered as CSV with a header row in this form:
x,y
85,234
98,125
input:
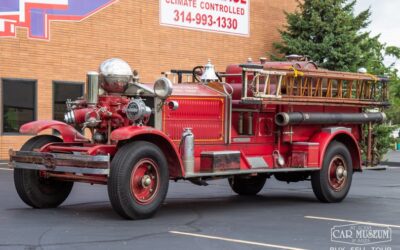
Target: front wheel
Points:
x,y
35,190
332,183
138,181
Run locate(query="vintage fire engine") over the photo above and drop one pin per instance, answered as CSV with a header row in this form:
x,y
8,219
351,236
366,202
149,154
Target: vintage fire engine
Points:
x,y
289,120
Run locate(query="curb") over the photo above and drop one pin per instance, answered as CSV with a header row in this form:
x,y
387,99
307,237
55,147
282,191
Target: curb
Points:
x,y
391,163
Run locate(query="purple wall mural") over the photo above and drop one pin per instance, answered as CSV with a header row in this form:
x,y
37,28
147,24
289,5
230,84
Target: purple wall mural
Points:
x,y
36,15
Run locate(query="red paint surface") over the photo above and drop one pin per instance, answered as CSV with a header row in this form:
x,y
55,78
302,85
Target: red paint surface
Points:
x,y
203,109
68,133
205,115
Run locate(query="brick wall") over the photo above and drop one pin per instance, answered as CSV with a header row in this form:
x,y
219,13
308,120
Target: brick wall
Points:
x,y
129,30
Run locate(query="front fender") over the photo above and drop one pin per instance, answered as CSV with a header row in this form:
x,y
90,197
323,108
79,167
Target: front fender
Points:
x,y
68,133
343,135
126,133
156,137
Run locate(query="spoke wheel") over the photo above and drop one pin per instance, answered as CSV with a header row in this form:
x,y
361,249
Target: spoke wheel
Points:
x,y
35,190
332,183
337,173
138,181
145,181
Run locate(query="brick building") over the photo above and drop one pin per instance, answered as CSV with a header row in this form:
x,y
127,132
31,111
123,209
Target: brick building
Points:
x,y
47,46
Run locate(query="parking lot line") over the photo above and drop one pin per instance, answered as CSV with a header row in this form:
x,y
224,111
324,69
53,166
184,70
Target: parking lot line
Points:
x,y
352,221
236,241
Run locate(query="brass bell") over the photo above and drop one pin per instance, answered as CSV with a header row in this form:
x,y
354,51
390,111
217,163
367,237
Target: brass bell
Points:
x,y
209,73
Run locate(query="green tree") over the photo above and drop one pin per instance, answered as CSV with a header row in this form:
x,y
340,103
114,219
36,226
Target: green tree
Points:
x,y
329,33
394,111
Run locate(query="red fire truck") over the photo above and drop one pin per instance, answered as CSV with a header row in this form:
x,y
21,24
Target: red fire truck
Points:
x,y
290,120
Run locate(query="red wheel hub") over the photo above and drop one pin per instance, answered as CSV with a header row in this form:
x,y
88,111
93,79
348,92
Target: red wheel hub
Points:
x,y
337,173
145,181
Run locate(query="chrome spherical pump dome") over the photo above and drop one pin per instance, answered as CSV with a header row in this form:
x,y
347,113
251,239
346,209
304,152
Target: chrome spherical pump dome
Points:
x,y
115,75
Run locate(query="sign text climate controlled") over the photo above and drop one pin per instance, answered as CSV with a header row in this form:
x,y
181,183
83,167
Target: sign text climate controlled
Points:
x,y
225,16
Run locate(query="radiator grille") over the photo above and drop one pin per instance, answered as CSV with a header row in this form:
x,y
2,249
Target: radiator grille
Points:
x,y
205,116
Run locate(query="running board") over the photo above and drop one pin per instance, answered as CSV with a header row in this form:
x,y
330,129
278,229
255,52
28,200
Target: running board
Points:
x,y
249,171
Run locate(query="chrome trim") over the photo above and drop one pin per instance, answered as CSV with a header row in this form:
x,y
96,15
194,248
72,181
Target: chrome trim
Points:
x,y
69,117
244,83
332,130
158,113
257,162
250,171
247,110
219,152
306,143
228,115
230,119
242,139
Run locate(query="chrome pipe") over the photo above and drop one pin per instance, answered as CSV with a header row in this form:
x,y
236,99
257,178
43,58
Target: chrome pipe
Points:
x,y
250,123
240,123
296,118
92,87
69,117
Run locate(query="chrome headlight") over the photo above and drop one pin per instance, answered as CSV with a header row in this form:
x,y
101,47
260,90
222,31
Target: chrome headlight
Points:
x,y
163,88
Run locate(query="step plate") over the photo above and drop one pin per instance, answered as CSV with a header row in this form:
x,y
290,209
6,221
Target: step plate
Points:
x,y
257,162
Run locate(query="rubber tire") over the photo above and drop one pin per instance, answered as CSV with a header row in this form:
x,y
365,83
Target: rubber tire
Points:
x,y
319,179
28,185
247,186
121,198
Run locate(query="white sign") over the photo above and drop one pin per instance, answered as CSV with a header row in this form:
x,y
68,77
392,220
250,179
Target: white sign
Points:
x,y
225,16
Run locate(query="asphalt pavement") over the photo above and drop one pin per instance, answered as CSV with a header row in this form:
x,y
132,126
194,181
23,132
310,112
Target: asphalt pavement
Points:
x,y
283,216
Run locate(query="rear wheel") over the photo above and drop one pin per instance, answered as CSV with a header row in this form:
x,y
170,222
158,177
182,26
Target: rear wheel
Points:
x,y
34,190
250,185
138,181
332,183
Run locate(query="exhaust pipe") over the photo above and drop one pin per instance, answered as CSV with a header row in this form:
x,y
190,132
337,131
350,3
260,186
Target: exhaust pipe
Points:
x,y
92,88
295,118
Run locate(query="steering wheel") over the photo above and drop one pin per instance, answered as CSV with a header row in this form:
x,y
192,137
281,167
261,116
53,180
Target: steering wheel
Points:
x,y
198,71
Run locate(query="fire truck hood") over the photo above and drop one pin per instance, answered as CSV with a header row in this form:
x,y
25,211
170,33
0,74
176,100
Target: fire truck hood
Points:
x,y
194,89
